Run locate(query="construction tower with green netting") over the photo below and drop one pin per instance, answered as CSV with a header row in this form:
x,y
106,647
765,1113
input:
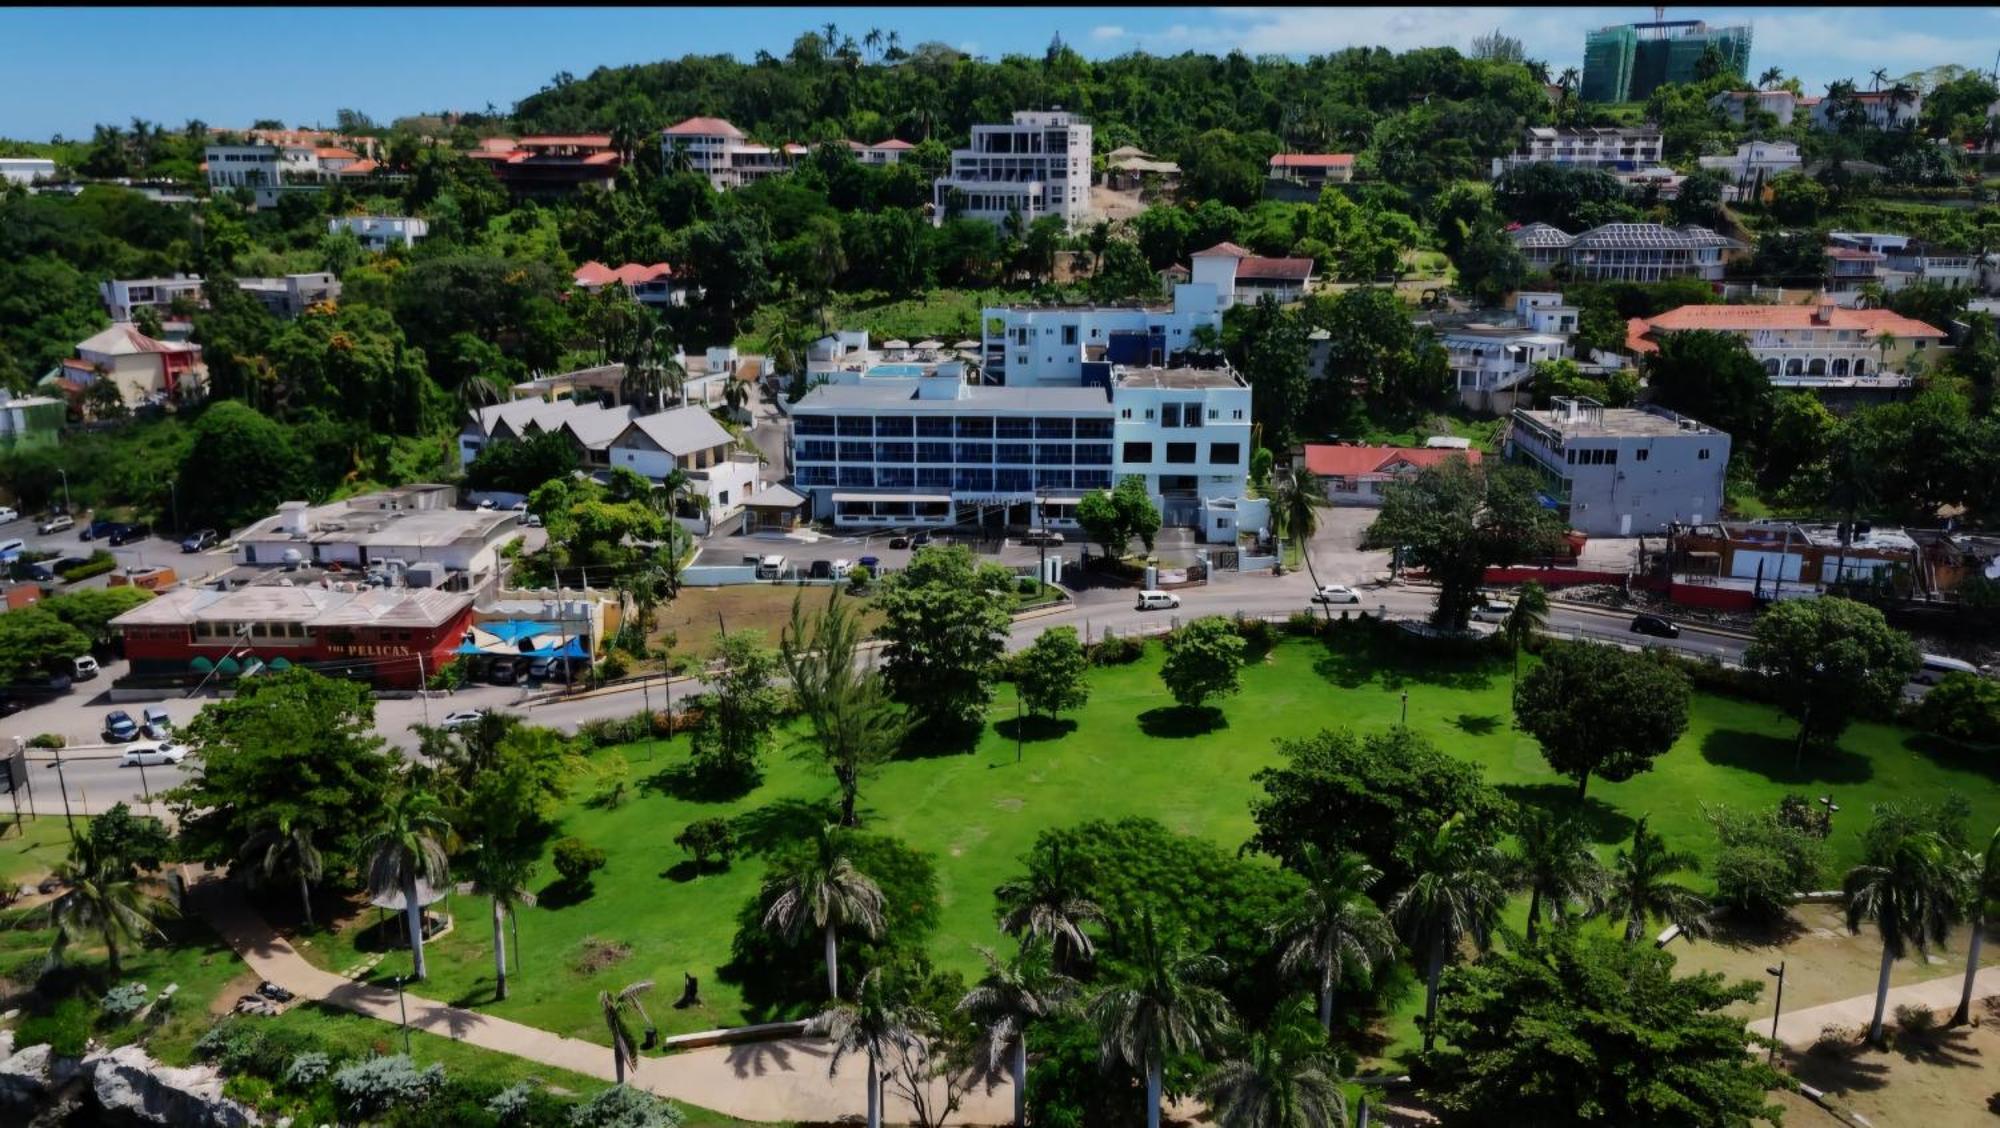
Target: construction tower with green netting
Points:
x,y
1628,62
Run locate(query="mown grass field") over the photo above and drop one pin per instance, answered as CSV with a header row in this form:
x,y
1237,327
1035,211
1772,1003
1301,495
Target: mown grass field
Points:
x,y
977,813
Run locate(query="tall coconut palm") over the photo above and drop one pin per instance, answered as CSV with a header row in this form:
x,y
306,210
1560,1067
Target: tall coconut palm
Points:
x,y
735,395
102,902
1284,1077
1641,887
624,1047
1455,893
407,847
1981,873
873,1025
1333,930
1877,77
1911,892
1296,498
477,390
1771,77
822,890
1047,903
286,843
1530,614
504,882
1158,1006
1555,864
1012,999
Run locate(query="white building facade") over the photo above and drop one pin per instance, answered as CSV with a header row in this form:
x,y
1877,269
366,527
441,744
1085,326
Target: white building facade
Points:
x,y
1755,164
380,232
1608,149
1037,165
26,170
1048,346
936,451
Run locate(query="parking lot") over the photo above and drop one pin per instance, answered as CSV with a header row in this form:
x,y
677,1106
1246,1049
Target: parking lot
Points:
x,y
150,551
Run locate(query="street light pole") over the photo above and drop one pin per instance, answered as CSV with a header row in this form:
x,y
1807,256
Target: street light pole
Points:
x,y
1406,708
65,482
1778,971
62,780
402,1009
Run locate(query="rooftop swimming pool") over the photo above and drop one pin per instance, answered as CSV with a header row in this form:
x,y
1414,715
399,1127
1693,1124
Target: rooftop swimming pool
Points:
x,y
896,370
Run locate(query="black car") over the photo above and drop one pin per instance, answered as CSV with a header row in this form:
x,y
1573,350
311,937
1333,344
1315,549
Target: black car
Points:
x,y
899,542
1656,626
126,534
102,527
196,542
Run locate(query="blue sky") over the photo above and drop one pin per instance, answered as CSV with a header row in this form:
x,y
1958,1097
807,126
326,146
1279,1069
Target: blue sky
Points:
x,y
70,67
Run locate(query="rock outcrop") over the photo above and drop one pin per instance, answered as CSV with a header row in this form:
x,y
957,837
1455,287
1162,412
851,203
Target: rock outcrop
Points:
x,y
127,1080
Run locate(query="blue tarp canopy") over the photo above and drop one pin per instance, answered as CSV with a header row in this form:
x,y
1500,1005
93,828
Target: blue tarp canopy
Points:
x,y
514,630
573,650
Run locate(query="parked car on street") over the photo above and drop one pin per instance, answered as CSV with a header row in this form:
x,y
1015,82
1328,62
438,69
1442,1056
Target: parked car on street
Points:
x,y
119,727
870,562
1656,626
1336,593
126,534
532,521
155,722
1157,601
1492,611
199,542
464,718
61,524
102,527
151,753
1042,537
7,514
83,667
899,542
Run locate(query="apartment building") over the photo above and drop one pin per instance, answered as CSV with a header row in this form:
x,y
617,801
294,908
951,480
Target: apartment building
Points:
x,y
125,296
291,295
271,163
1038,164
1780,104
1906,260
1627,252
26,170
1626,63
933,450
551,165
1804,346
380,232
1038,346
1620,471
1605,148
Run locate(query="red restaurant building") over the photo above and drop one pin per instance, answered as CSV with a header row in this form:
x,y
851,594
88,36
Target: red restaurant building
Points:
x,y
393,638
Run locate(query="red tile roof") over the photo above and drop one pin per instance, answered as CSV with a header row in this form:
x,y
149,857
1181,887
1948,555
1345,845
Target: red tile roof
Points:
x,y
585,140
1230,249
330,154
360,168
1257,268
631,274
1312,160
703,127
1361,461
1850,254
892,143
1743,318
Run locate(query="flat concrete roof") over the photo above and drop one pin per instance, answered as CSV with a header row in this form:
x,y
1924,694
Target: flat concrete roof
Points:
x,y
1178,378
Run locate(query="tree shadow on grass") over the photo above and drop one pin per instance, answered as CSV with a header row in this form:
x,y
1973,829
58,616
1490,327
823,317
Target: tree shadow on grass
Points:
x,y
1938,1046
1354,663
683,781
1772,757
1174,722
1847,1069
1482,724
686,870
940,738
785,820
1740,933
1031,728
1952,754
562,893
1602,821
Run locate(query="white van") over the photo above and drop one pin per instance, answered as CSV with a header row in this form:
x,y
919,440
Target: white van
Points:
x,y
12,548
1157,601
770,568
1936,666
83,668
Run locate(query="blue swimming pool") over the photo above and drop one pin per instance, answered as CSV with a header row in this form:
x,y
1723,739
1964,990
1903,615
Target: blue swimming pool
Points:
x,y
896,370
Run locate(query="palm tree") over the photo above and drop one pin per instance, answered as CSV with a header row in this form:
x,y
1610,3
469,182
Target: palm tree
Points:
x,y
1333,928
1771,77
1009,1001
1530,614
101,901
504,881
1982,888
1641,887
1159,1006
285,843
1555,864
895,41
1900,94
405,849
852,721
872,1025
1283,1077
477,390
832,38
624,1048
1877,77
1048,904
1295,500
1909,889
1455,892
825,891
873,41
735,395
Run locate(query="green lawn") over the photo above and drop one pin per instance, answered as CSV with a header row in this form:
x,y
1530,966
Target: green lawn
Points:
x,y
31,848
1484,431
977,813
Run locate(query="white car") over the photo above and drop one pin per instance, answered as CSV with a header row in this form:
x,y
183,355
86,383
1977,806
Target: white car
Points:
x,y
463,719
1492,611
1336,593
7,515
149,753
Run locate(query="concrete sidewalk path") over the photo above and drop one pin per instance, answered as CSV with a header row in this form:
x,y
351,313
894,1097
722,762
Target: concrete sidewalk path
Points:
x,y
1799,1029
767,1081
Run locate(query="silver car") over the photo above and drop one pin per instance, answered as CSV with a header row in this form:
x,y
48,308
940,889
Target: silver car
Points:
x,y
151,753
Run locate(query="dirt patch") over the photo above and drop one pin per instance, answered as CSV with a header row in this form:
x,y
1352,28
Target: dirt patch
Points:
x,y
1824,963
225,999
696,618
1939,1077
595,954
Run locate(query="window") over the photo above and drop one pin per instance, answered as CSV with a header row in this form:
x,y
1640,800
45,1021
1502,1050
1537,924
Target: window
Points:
x,y
860,426
966,479
1237,414
1703,455
1069,334
1640,454
980,454
1093,454
1180,452
1137,452
895,452
1191,415
1094,428
1170,415
1125,413
1224,454
934,452
893,426
896,477
975,427
934,427
857,452
1014,452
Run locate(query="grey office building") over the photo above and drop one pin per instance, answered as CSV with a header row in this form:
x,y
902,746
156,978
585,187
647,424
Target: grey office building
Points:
x,y
1621,471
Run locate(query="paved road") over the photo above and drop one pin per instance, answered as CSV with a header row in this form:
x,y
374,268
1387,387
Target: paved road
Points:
x,y
95,780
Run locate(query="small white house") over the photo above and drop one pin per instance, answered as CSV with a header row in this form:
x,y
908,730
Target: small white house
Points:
x,y
380,232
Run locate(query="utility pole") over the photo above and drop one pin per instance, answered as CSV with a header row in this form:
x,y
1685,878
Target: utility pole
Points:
x,y
65,482
63,782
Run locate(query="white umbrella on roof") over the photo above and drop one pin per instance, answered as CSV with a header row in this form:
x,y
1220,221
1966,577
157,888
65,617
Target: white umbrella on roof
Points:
x,y
966,345
895,344
930,344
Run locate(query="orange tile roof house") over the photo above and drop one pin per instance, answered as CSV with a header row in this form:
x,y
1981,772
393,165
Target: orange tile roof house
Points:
x,y
1801,346
1356,475
551,164
653,285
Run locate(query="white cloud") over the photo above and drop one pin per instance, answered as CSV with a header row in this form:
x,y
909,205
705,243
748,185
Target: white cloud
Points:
x,y
1107,32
